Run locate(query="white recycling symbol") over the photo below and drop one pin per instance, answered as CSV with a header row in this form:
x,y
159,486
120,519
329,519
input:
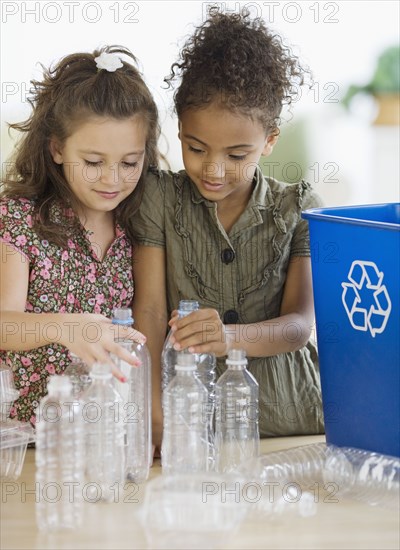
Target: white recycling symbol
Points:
x,y
366,275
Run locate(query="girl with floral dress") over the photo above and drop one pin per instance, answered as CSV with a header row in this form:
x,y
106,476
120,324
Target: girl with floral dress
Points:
x,y
67,205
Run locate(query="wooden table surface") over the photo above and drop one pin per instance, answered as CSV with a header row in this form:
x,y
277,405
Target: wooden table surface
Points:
x,y
344,524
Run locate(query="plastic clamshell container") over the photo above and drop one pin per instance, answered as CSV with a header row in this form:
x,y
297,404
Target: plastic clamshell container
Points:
x,y
355,255
198,511
8,393
14,439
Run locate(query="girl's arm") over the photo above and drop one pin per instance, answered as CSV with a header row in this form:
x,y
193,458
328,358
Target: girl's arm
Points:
x,y
89,336
203,330
150,314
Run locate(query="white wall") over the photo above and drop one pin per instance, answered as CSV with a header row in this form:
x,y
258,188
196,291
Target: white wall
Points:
x,y
339,40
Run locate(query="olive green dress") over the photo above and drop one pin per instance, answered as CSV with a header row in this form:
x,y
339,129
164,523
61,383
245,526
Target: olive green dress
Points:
x,y
242,275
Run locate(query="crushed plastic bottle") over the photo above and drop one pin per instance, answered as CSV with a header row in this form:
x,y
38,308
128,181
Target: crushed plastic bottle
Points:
x,y
205,371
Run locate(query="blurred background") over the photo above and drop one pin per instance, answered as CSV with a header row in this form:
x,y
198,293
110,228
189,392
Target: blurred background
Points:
x,y
342,135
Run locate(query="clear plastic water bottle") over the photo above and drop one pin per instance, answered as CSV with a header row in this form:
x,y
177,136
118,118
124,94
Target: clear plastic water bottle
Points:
x,y
206,372
365,476
236,427
104,434
79,373
303,465
168,354
136,395
59,457
185,436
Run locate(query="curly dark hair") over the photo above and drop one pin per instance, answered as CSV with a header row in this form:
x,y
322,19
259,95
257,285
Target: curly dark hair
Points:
x,y
69,93
238,61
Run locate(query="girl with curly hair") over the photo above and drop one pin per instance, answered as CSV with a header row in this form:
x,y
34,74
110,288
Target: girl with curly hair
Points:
x,y
221,233
67,206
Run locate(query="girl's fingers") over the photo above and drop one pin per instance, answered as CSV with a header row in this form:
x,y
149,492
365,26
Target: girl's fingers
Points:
x,y
209,316
137,336
124,354
122,332
118,374
173,320
217,349
198,333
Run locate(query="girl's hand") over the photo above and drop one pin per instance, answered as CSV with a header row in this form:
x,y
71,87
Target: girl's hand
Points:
x,y
201,331
92,337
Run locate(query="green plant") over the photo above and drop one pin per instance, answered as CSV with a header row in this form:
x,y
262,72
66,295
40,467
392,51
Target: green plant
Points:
x,y
385,80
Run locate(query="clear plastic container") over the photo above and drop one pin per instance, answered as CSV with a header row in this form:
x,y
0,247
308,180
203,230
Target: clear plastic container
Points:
x,y
303,465
350,473
194,511
365,476
205,371
237,438
14,439
206,362
169,355
185,436
104,434
136,396
14,435
8,393
60,458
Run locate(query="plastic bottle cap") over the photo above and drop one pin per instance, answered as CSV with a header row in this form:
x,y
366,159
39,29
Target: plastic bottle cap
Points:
x,y
236,357
101,370
122,316
59,383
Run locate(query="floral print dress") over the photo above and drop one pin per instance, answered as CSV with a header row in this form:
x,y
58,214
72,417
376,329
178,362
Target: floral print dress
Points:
x,y
63,280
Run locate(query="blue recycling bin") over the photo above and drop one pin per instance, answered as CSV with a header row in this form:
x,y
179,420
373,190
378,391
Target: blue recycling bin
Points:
x,y
355,256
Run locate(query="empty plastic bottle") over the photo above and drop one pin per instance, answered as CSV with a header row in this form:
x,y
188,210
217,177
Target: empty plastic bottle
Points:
x,y
303,465
104,434
59,457
205,371
236,424
79,373
368,477
185,437
136,395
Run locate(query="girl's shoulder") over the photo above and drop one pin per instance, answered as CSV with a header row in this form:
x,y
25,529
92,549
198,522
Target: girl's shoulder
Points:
x,y
300,195
11,207
164,185
17,223
17,215
164,178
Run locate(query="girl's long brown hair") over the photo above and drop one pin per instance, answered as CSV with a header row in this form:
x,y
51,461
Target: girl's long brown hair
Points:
x,y
73,90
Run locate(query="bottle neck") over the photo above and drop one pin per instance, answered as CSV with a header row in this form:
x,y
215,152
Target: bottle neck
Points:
x,y
126,323
184,372
236,367
121,323
183,313
187,308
